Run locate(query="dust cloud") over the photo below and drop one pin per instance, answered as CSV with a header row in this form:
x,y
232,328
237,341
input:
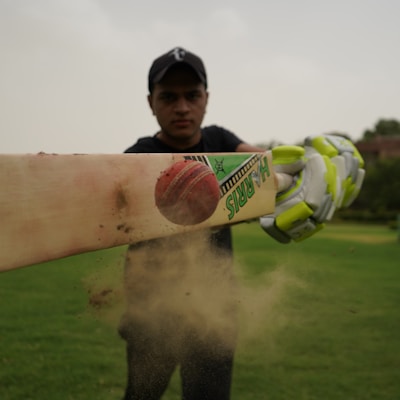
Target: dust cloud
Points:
x,y
267,306
180,283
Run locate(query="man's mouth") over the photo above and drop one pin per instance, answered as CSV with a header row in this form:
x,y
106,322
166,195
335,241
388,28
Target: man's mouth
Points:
x,y
181,123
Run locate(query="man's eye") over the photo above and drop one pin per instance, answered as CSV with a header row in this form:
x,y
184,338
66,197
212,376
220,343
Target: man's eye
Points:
x,y
194,95
167,97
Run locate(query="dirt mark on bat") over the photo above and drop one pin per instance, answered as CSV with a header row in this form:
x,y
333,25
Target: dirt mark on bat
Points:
x,y
122,203
121,199
125,228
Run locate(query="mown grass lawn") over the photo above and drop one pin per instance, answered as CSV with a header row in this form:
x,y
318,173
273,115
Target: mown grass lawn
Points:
x,y
320,320
332,332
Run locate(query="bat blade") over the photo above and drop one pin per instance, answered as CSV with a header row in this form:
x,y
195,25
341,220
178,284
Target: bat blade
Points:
x,y
53,206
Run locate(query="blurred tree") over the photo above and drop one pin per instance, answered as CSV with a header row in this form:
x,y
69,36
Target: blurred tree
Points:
x,y
381,187
384,127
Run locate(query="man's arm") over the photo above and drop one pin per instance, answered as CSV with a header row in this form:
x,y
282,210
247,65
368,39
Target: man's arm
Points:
x,y
248,148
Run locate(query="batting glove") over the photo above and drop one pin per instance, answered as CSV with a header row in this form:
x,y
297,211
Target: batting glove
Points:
x,y
327,174
348,161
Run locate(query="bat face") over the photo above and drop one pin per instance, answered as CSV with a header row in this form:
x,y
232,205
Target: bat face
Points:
x,y
240,176
60,205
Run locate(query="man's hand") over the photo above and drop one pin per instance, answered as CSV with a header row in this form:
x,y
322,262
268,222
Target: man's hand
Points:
x,y
328,174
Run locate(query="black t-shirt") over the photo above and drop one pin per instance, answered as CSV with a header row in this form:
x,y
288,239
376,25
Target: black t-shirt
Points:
x,y
214,139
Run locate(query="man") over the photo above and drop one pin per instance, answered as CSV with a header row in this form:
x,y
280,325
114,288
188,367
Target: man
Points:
x,y
181,290
178,98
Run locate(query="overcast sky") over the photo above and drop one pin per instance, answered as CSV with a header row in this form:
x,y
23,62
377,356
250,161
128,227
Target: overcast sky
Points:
x,y
73,72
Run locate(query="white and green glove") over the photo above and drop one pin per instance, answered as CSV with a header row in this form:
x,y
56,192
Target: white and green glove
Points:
x,y
327,175
348,161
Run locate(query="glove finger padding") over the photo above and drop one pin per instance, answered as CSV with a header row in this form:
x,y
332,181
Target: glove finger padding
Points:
x,y
327,174
348,161
288,159
301,210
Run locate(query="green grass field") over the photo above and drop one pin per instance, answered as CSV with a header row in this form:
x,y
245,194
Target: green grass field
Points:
x,y
320,320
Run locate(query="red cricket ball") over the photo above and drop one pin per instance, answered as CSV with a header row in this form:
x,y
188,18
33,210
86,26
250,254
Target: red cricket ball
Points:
x,y
187,192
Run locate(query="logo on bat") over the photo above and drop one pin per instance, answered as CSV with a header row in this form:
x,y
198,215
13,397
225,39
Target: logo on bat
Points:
x,y
246,189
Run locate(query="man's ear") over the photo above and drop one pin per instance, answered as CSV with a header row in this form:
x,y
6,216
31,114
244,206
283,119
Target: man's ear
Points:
x,y
150,101
207,97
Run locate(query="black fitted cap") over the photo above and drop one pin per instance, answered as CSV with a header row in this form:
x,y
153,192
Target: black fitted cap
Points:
x,y
177,55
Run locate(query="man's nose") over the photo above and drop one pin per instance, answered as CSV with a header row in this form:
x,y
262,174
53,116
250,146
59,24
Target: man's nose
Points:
x,y
181,105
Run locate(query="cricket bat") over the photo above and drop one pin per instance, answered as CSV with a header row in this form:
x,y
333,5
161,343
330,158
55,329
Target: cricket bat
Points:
x,y
56,205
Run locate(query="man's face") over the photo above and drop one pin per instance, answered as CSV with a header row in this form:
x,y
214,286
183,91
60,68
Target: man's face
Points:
x,y
179,103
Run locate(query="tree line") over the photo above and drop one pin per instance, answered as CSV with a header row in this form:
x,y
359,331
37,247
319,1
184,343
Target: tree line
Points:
x,y
379,198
